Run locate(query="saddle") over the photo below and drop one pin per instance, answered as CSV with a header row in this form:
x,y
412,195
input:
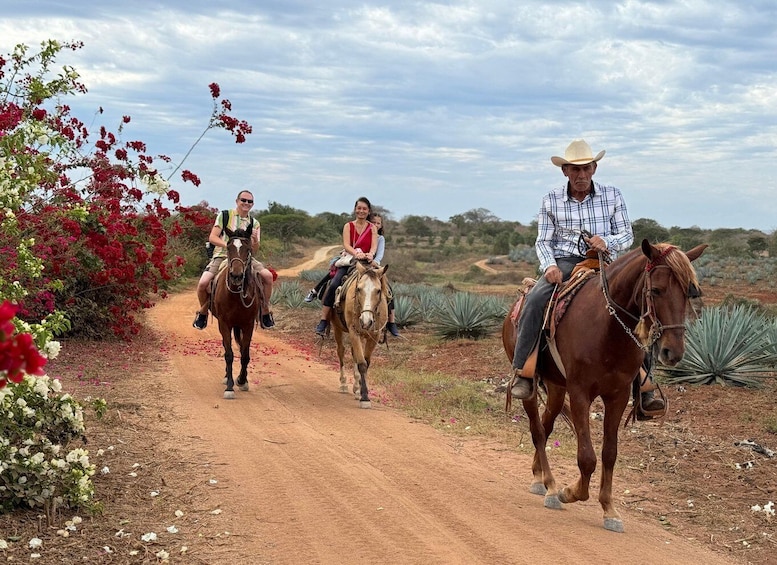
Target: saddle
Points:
x,y
555,309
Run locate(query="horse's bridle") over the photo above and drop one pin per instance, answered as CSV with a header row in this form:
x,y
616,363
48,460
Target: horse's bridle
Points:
x,y
648,310
242,288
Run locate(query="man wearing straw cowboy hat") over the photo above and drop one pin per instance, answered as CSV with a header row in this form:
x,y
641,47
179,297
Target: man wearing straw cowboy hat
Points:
x,y
581,211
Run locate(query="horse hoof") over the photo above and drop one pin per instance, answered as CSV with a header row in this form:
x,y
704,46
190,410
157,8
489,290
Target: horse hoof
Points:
x,y
538,488
344,389
552,501
365,404
243,387
229,394
614,525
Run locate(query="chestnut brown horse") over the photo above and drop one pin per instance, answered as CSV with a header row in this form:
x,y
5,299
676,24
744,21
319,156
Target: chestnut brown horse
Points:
x,y
237,297
638,303
362,314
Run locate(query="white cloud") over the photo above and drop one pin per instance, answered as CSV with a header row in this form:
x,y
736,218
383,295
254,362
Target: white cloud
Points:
x,y
438,108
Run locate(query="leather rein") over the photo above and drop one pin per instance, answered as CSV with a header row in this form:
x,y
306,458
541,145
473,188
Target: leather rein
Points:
x,y
242,288
647,308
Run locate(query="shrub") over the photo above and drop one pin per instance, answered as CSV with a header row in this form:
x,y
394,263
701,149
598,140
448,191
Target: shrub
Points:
x,y
37,421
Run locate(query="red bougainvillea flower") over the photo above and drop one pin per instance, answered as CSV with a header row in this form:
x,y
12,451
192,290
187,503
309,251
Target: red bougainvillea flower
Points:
x,y
18,354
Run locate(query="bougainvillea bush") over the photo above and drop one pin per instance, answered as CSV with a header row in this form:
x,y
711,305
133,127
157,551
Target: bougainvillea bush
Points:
x,y
89,231
89,221
37,422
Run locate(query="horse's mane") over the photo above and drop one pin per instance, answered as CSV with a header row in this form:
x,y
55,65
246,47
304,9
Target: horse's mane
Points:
x,y
670,255
681,266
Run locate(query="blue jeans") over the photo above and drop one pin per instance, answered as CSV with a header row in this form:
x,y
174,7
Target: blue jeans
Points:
x,y
530,320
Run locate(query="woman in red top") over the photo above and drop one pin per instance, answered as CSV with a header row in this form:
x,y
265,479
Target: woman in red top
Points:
x,y
360,239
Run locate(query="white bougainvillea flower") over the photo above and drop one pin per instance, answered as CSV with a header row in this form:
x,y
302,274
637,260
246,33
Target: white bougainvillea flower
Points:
x,y
151,536
178,513
35,543
172,530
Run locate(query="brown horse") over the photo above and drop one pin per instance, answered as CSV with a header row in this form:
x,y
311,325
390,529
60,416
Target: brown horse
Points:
x,y
637,304
237,297
362,314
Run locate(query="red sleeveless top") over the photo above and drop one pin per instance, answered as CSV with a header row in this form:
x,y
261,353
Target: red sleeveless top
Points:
x,y
364,240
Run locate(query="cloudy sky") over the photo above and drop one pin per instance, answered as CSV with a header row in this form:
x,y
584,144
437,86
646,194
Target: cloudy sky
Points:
x,y
437,108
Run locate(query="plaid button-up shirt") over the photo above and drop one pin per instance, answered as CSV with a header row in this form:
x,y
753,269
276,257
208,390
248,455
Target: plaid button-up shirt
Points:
x,y
562,218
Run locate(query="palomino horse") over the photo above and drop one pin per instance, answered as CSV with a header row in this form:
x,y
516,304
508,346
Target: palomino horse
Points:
x,y
362,314
637,303
237,297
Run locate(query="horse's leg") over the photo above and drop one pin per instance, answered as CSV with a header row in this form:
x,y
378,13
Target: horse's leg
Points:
x,y
613,412
543,482
340,341
357,378
553,406
357,352
369,346
229,356
245,356
586,457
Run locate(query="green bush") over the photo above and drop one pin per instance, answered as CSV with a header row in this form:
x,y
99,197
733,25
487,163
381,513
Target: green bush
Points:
x,y
37,421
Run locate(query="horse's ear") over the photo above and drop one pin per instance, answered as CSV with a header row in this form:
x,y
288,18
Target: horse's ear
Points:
x,y
649,251
696,252
229,232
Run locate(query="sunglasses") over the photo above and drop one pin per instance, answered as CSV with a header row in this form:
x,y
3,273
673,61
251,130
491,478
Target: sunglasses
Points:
x,y
246,200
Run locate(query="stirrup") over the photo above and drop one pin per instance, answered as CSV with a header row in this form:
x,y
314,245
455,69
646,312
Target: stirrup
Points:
x,y
642,414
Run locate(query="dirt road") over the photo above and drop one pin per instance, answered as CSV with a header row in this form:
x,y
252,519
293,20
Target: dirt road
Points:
x,y
303,475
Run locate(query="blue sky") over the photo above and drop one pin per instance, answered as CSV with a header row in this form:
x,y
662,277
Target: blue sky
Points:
x,y
437,108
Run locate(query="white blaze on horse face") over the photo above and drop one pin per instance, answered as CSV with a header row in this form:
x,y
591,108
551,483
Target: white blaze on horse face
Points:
x,y
238,244
369,304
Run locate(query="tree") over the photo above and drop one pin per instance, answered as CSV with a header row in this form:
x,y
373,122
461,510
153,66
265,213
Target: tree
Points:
x,y
686,238
651,230
417,225
91,250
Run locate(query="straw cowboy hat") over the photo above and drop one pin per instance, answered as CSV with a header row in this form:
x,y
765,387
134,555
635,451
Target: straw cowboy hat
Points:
x,y
578,153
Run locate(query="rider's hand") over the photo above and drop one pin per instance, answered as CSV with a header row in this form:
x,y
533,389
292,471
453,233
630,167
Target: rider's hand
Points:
x,y
596,243
553,275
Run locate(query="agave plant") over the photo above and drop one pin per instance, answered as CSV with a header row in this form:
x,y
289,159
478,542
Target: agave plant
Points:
x,y
406,312
464,315
431,300
727,346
